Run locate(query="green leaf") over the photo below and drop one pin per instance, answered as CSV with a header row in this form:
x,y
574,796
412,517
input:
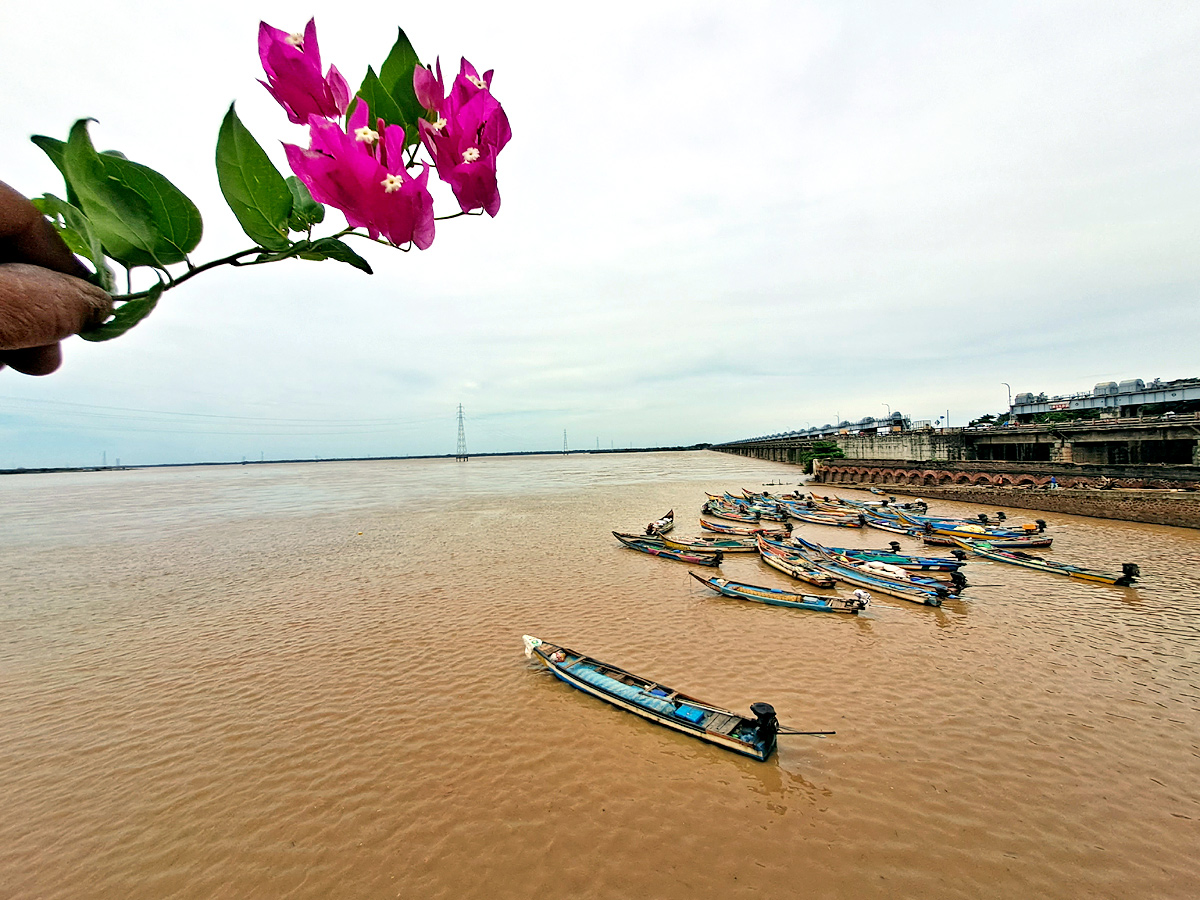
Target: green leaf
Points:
x,y
120,217
383,105
55,149
129,314
396,73
306,212
390,94
76,231
141,218
252,186
332,248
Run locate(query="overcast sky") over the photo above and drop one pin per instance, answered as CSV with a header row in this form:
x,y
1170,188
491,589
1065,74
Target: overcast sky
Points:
x,y
719,220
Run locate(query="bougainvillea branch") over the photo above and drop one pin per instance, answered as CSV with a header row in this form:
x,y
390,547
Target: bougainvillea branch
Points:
x,y
363,159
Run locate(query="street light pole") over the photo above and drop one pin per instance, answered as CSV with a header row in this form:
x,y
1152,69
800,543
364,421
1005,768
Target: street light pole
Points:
x,y
1006,384
889,409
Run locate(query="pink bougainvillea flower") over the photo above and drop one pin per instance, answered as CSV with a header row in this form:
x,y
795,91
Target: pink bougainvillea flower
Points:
x,y
361,172
430,90
293,66
470,131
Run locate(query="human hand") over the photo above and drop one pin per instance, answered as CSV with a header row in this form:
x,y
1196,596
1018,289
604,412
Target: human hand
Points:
x,y
43,295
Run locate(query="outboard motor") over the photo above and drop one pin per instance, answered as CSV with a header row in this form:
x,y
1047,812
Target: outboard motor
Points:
x,y
1130,570
862,519
958,554
767,724
894,546
1001,516
958,579
929,528
1041,524
787,526
982,517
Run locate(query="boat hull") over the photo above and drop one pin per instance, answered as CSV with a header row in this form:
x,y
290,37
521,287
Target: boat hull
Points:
x,y
776,597
657,549
622,689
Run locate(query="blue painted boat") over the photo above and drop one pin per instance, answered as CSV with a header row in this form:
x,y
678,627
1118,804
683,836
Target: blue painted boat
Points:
x,y
754,737
892,557
790,599
893,526
722,528
1129,571
721,510
654,547
926,591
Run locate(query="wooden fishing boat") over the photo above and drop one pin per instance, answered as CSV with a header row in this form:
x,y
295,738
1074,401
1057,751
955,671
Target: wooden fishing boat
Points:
x,y
1129,571
929,581
754,737
966,528
929,596
722,528
892,557
712,544
663,525
655,548
725,511
794,567
791,599
816,518
892,526
1030,543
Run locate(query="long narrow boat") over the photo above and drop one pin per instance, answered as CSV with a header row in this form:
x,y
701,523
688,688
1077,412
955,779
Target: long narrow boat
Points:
x,y
962,528
816,518
791,599
724,511
712,544
1129,571
902,578
852,575
794,567
892,526
663,525
657,549
754,737
890,557
1029,543
722,528
928,595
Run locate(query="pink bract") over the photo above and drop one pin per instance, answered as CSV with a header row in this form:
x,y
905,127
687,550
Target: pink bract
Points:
x,y
366,180
293,67
471,130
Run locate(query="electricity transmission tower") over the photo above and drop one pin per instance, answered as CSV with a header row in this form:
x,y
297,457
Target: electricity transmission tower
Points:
x,y
461,454
564,442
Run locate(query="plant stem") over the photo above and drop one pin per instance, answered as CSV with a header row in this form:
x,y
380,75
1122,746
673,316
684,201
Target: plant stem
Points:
x,y
232,260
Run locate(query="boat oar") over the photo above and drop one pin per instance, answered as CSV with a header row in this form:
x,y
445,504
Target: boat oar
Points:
x,y
789,731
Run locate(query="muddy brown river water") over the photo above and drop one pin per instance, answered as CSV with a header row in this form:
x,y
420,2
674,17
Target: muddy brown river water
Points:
x,y
307,681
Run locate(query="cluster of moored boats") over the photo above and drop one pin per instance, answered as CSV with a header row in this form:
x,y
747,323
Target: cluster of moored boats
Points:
x,y
761,523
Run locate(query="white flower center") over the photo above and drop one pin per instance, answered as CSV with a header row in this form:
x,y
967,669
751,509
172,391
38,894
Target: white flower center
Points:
x,y
366,135
392,183
438,125
478,82
296,40
470,154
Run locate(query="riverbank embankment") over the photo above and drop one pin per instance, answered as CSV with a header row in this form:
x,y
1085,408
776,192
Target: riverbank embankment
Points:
x,y
1178,508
